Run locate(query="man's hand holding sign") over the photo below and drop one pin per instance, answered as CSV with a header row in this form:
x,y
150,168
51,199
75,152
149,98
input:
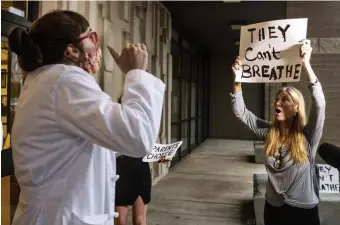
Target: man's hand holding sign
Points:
x,y
269,51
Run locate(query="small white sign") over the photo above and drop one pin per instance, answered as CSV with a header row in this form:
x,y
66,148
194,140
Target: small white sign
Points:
x,y
270,51
162,151
329,179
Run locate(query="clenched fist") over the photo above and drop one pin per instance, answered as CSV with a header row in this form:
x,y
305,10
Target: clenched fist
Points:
x,y
133,56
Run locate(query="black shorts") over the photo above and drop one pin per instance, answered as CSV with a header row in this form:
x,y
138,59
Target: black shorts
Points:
x,y
288,215
134,180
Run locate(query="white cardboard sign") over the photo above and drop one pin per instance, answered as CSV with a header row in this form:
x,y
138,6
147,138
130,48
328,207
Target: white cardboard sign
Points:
x,y
162,151
329,179
270,51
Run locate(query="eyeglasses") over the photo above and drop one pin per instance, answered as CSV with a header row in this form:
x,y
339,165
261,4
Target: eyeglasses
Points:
x,y
93,36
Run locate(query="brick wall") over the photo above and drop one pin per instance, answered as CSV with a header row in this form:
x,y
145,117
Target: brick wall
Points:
x,y
324,30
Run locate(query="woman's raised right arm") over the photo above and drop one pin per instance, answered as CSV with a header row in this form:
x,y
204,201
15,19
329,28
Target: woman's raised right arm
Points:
x,y
258,126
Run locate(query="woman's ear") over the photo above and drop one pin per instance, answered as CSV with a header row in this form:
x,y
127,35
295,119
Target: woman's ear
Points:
x,y
72,53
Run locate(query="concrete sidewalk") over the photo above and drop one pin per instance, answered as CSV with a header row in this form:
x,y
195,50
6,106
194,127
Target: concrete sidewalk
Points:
x,y
211,186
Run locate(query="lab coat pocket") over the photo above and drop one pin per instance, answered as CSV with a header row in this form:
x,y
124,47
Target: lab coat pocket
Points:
x,y
91,220
100,219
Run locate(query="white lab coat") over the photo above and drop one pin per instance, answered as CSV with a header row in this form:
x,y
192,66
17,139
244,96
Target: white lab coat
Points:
x,y
63,129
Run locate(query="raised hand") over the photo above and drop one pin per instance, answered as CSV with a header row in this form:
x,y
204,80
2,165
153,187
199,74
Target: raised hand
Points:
x,y
133,56
306,51
237,66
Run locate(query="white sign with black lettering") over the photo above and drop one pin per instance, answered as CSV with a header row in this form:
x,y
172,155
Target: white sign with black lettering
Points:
x,y
270,51
329,179
162,151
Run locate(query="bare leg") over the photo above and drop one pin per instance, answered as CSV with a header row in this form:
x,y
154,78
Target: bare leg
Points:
x,y
123,215
139,212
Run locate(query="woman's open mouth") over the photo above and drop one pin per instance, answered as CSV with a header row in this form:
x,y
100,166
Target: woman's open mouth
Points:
x,y
278,111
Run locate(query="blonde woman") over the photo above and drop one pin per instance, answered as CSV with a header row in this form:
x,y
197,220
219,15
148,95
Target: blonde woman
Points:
x,y
290,147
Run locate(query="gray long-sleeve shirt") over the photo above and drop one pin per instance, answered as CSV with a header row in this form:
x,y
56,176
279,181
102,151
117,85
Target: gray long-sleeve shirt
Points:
x,y
292,184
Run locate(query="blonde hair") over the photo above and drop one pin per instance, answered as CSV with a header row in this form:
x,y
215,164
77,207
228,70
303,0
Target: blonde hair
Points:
x,y
295,139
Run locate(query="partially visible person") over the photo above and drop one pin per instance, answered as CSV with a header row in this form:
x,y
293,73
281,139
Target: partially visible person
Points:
x,y
330,153
133,188
290,148
66,129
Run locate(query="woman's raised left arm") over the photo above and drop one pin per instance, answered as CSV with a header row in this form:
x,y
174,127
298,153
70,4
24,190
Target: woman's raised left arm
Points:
x,y
314,128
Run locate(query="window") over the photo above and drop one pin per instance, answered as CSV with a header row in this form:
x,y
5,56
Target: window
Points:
x,y
189,96
13,14
5,104
11,81
175,100
19,8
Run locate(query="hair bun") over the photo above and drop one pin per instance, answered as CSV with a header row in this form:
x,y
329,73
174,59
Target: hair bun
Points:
x,y
16,39
22,44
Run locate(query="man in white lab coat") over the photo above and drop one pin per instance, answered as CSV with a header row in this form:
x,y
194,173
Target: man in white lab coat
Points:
x,y
66,129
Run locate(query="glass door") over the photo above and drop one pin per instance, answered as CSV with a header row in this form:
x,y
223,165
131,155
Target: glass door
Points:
x,y
11,81
5,181
13,14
